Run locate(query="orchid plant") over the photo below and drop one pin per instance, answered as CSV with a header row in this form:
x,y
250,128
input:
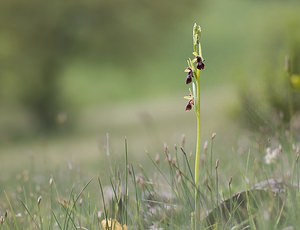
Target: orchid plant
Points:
x,y
195,66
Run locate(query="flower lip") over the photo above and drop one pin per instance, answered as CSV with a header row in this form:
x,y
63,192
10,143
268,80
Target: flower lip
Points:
x,y
190,75
190,103
200,63
188,107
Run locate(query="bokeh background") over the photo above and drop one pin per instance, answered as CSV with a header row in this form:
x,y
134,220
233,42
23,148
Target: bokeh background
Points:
x,y
78,77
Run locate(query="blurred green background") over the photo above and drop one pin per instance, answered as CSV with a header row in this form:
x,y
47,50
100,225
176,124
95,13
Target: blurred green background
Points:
x,y
77,77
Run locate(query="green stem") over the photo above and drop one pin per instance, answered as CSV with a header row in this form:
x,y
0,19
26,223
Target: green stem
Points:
x,y
290,104
196,94
198,143
198,49
198,147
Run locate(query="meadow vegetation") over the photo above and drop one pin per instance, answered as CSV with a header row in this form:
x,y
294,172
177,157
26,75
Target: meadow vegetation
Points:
x,y
120,152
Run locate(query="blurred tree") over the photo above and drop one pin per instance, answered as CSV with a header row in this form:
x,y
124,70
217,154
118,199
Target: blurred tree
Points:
x,y
38,38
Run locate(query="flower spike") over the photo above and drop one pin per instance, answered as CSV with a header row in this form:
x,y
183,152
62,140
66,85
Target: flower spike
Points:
x,y
193,76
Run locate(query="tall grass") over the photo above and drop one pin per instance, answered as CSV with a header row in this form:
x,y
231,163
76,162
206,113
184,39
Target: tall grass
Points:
x,y
163,197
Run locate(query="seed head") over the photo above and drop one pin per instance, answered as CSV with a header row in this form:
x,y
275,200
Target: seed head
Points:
x,y
213,136
217,164
129,169
183,141
141,182
157,158
230,181
39,200
51,181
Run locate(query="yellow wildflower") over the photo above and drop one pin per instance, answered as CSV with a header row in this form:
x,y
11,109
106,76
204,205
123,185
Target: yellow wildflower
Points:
x,y
112,225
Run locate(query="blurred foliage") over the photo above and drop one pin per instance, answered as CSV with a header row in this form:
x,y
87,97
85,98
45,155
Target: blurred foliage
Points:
x,y
38,39
275,104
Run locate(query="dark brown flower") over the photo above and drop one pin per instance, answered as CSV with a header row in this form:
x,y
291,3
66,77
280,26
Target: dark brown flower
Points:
x,y
189,105
189,76
200,63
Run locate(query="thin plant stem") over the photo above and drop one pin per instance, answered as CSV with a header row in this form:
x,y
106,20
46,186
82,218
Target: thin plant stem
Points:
x,y
291,107
12,211
217,182
211,157
188,164
136,197
194,70
57,222
126,180
297,171
104,206
51,202
29,213
40,217
198,147
198,50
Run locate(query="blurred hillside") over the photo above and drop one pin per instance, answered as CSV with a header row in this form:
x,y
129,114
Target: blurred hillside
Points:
x,y
60,59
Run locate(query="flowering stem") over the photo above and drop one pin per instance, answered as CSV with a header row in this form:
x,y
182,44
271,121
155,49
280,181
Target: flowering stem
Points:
x,y
193,76
199,67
